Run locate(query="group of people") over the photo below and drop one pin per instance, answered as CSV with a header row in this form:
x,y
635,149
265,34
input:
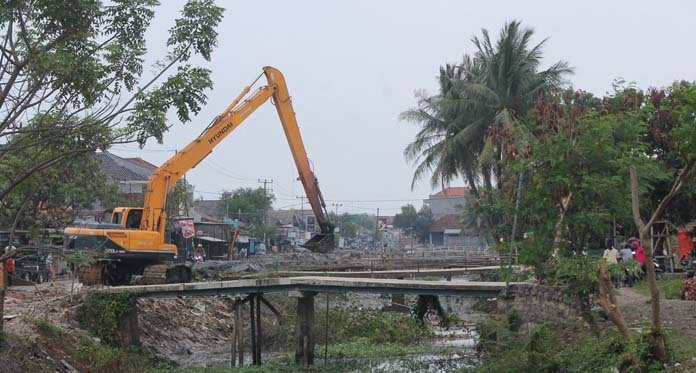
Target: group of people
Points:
x,y
630,250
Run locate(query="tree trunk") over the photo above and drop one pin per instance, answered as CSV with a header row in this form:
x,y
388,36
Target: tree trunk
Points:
x,y
610,305
2,311
558,229
646,241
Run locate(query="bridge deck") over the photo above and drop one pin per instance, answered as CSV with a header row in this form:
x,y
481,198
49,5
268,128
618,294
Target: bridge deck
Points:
x,y
398,273
314,284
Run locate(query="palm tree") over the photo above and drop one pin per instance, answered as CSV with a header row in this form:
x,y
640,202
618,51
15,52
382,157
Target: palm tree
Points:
x,y
435,146
465,127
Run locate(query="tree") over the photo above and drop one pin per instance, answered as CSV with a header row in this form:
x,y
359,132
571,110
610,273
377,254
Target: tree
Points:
x,y
575,160
345,223
72,82
423,223
179,198
468,127
683,136
417,222
579,155
54,197
251,204
406,218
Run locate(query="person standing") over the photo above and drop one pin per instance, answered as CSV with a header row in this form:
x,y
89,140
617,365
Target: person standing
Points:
x,y
627,256
10,263
640,253
611,255
626,253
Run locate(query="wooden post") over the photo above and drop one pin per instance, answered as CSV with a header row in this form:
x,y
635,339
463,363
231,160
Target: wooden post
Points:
x,y
233,341
258,329
253,330
304,353
239,332
3,289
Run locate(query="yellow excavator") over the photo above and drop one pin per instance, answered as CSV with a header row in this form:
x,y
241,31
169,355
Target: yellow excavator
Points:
x,y
132,243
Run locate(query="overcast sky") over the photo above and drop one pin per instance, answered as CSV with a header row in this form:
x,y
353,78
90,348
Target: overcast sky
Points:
x,y
352,67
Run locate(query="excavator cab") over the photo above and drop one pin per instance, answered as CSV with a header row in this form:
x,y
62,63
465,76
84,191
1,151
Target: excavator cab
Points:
x,y
127,217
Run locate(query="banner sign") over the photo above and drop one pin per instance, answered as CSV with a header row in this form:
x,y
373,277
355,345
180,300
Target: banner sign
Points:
x,y
187,229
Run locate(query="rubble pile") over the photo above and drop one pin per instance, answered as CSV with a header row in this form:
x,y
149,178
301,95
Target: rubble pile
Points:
x,y
234,269
191,332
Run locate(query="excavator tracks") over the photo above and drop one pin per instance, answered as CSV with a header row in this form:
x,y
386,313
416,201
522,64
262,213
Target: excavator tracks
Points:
x,y
165,274
104,273
92,275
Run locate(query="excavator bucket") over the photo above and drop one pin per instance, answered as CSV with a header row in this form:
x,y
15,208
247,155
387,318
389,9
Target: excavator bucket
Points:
x,y
321,243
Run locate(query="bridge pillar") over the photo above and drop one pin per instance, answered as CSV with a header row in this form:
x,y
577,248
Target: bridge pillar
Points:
x,y
304,352
128,331
398,301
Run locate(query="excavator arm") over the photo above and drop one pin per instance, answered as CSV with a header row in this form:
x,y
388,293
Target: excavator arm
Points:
x,y
164,178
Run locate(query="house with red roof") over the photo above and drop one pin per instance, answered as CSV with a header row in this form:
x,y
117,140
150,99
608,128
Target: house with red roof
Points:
x,y
447,207
451,200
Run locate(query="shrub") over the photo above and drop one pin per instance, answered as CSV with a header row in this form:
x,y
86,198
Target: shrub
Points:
x,y
101,313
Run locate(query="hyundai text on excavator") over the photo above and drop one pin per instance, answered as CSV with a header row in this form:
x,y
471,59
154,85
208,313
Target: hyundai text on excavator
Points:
x,y
132,243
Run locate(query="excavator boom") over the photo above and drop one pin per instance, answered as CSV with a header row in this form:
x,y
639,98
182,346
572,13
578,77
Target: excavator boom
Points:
x,y
164,178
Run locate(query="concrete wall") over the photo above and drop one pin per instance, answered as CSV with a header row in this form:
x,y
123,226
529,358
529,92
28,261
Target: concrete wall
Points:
x,y
538,303
441,206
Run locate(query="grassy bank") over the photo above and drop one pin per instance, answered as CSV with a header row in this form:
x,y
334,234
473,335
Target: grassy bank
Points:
x,y
669,289
83,351
573,347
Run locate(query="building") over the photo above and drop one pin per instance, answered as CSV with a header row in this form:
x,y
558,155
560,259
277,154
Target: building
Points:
x,y
447,207
131,174
448,231
213,211
451,200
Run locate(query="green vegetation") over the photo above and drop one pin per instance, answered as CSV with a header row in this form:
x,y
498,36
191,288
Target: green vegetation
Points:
x,y
350,225
82,350
669,289
75,84
359,339
419,221
100,313
574,348
372,326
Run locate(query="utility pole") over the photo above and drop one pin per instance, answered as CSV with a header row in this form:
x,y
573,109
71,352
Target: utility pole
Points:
x,y
337,205
412,237
265,183
304,223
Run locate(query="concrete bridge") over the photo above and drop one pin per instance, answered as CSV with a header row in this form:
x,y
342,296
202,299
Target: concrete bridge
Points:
x,y
314,284
304,288
400,273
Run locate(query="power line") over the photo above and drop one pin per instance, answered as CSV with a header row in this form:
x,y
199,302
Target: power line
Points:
x,y
121,149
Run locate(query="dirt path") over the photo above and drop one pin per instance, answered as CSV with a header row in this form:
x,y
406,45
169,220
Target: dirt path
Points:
x,y
678,315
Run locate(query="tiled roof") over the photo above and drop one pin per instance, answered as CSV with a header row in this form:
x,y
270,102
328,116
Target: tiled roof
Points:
x,y
141,162
452,192
121,169
449,221
213,208
207,217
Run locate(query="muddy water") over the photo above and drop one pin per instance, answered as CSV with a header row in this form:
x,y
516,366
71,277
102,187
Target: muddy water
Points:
x,y
459,354
458,342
